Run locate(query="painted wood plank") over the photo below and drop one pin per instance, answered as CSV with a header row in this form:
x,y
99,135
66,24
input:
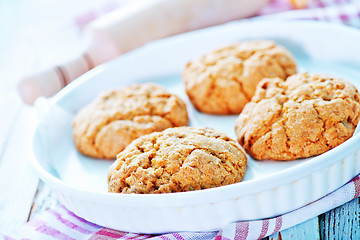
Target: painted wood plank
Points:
x,y
44,199
342,222
306,230
10,106
18,181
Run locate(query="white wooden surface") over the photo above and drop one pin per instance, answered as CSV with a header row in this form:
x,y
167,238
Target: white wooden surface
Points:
x,y
18,182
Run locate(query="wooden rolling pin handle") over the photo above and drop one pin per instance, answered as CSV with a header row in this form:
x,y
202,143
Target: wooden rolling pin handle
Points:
x,y
100,48
50,81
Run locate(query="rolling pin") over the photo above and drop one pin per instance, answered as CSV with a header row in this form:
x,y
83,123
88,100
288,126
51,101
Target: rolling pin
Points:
x,y
129,27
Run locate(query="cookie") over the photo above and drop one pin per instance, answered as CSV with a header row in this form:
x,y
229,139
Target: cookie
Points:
x,y
116,117
224,80
177,160
302,116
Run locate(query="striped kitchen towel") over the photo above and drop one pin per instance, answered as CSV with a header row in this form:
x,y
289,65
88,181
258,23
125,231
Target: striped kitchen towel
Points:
x,y
338,11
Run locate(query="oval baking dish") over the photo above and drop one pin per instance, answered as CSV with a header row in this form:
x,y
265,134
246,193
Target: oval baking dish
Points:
x,y
268,189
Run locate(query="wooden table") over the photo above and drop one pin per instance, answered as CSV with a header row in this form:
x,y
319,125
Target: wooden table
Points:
x,y
23,196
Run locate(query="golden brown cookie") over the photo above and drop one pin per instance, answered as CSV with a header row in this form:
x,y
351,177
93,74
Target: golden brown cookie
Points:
x,y
224,80
115,118
302,116
177,160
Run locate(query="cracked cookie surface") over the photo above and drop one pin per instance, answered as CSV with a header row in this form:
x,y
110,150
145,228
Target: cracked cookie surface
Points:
x,y
224,80
302,116
177,160
116,117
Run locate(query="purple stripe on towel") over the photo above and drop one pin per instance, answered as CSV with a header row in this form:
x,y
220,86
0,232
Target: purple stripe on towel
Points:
x,y
47,230
70,224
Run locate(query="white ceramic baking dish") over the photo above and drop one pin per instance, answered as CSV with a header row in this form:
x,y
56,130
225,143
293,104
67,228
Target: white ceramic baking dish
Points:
x,y
268,189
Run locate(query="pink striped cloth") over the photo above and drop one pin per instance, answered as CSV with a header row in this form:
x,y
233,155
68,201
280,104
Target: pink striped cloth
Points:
x,y
59,223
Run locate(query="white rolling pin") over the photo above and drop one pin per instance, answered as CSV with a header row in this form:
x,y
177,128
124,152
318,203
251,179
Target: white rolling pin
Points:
x,y
131,26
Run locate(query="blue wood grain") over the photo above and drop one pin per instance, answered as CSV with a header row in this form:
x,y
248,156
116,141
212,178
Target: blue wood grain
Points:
x,y
305,230
342,223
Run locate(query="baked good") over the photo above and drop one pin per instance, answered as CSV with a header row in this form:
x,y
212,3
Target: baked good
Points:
x,y
177,160
116,117
224,80
302,116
